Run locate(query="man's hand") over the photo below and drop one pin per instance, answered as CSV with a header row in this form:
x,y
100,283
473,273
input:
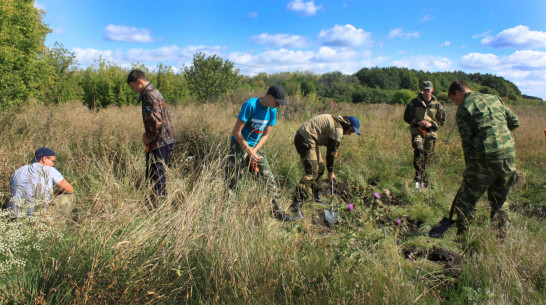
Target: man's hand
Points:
x,y
331,176
252,154
424,124
145,139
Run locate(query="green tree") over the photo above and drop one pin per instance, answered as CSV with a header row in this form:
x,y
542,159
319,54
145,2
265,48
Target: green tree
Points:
x,y
61,84
210,77
22,36
106,85
172,86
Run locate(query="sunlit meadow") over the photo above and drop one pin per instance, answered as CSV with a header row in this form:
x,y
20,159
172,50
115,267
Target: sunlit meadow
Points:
x,y
204,246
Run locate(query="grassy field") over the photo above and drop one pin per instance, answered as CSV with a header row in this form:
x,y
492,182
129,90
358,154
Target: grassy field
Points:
x,y
203,248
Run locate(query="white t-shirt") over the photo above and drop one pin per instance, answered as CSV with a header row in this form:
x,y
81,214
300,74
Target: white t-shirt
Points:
x,y
31,184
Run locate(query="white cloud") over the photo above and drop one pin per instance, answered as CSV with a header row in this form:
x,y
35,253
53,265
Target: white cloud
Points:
x,y
446,43
479,61
39,6
252,15
399,32
280,40
426,18
442,63
526,69
171,54
325,60
530,83
87,57
526,60
481,34
303,8
345,36
58,30
127,34
326,54
424,62
519,37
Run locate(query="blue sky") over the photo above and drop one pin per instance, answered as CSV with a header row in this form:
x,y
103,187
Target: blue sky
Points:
x,y
505,38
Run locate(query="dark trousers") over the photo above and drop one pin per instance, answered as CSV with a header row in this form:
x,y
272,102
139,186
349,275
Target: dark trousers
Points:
x,y
160,160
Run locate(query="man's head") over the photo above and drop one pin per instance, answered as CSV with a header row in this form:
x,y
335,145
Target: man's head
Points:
x,y
457,91
137,80
45,156
354,127
277,93
426,90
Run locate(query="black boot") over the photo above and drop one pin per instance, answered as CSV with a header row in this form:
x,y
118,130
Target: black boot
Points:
x,y
295,208
318,197
279,214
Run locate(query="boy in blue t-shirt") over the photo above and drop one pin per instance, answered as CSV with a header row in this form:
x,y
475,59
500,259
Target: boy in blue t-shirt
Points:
x,y
250,133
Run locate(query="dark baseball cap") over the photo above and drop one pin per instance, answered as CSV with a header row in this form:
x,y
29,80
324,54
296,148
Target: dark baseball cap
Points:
x,y
355,123
278,93
42,152
427,85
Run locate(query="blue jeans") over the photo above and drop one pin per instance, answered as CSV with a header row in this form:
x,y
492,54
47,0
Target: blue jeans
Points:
x,y
160,160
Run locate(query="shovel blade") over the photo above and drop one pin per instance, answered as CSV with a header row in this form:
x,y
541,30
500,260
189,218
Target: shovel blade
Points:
x,y
440,228
331,217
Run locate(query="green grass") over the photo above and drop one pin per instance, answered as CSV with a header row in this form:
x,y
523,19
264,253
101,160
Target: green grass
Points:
x,y
204,247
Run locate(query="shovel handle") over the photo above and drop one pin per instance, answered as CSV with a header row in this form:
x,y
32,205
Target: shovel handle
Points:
x,y
254,165
453,206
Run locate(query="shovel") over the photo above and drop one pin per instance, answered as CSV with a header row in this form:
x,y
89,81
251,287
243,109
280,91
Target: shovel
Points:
x,y
440,228
147,163
330,215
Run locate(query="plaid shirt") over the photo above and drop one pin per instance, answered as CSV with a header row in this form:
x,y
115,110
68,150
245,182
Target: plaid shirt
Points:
x,y
156,118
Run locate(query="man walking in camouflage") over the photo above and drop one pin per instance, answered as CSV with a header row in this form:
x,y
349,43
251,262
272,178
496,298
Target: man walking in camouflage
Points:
x,y
159,132
321,130
425,114
485,126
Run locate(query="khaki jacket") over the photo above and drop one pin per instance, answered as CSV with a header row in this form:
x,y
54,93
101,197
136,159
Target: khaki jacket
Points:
x,y
418,110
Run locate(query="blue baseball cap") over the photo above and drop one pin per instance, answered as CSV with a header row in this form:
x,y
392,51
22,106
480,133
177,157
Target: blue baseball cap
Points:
x,y
42,152
355,123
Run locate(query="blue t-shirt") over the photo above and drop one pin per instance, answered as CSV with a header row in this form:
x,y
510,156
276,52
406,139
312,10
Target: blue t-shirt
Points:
x,y
256,118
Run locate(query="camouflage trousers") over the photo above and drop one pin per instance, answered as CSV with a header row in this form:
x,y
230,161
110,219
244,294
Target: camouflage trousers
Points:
x,y
313,169
494,176
238,161
62,205
423,152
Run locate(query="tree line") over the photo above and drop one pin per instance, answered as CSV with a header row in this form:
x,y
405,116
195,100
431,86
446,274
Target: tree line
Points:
x,y
30,70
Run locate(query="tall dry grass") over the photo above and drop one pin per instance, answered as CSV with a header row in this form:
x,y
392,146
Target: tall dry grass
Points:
x,y
204,246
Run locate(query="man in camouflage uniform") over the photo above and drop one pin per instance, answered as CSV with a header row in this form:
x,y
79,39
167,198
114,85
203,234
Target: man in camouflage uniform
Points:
x,y
321,130
159,133
485,126
425,114
252,128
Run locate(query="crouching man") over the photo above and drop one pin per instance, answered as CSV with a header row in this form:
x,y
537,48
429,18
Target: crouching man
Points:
x,y
33,184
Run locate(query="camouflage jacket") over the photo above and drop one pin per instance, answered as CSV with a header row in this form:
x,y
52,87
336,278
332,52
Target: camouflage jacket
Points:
x,y
156,118
484,124
324,130
418,110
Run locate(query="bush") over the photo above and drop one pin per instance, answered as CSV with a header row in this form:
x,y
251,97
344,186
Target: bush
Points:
x,y
402,97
